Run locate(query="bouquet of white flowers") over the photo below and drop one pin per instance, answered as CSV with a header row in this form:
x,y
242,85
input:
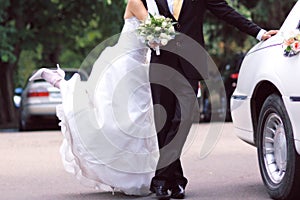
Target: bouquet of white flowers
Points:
x,y
292,43
156,31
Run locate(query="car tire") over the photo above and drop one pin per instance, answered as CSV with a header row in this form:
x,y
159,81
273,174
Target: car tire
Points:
x,y
24,124
275,146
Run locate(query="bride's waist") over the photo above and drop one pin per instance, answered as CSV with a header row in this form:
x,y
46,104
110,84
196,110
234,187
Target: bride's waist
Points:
x,y
141,55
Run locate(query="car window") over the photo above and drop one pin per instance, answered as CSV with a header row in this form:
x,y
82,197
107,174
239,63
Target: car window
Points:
x,y
69,75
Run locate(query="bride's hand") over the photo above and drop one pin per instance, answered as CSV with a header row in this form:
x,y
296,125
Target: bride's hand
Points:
x,y
154,45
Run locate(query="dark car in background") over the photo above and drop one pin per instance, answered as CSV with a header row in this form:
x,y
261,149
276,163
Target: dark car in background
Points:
x,y
217,96
38,103
230,74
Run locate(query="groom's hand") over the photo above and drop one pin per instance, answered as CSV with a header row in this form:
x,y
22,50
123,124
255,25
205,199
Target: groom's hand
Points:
x,y
268,34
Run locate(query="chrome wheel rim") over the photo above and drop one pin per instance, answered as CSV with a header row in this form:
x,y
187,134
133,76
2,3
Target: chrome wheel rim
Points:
x,y
274,148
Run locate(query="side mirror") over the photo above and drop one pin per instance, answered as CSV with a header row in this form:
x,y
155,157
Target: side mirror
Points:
x,y
17,97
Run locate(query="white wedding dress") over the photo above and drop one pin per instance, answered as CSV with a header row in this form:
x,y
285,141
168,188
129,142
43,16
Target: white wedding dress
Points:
x,y
107,122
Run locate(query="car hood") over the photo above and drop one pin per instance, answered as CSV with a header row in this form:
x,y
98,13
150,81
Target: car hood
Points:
x,y
273,41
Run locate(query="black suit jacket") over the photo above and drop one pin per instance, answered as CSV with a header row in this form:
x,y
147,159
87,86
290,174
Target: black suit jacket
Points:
x,y
190,24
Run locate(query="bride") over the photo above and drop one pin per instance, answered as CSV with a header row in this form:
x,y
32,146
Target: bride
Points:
x,y
107,122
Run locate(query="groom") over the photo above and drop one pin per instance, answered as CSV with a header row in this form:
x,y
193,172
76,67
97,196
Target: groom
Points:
x,y
174,87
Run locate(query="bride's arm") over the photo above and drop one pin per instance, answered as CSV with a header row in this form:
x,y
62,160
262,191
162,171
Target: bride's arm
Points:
x,y
135,8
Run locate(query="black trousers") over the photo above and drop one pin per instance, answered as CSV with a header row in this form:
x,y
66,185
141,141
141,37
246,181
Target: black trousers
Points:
x,y
174,107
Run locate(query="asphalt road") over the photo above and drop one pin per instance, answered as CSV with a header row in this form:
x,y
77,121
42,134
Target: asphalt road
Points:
x,y
30,168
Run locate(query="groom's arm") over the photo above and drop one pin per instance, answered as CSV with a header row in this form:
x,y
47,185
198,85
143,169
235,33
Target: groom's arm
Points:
x,y
223,11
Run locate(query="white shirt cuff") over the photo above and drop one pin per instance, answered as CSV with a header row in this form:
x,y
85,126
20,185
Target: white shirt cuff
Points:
x,y
260,34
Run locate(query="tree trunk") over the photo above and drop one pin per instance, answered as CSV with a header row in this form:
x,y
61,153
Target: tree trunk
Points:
x,y
8,115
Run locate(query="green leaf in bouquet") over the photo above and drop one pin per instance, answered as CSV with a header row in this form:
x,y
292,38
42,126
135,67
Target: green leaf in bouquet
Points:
x,y
288,48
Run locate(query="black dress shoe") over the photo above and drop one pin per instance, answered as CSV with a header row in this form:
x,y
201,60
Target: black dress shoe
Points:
x,y
177,192
161,193
152,189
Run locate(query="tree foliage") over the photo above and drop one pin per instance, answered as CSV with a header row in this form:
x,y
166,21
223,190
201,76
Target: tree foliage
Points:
x,y
43,33
35,33
223,40
269,14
